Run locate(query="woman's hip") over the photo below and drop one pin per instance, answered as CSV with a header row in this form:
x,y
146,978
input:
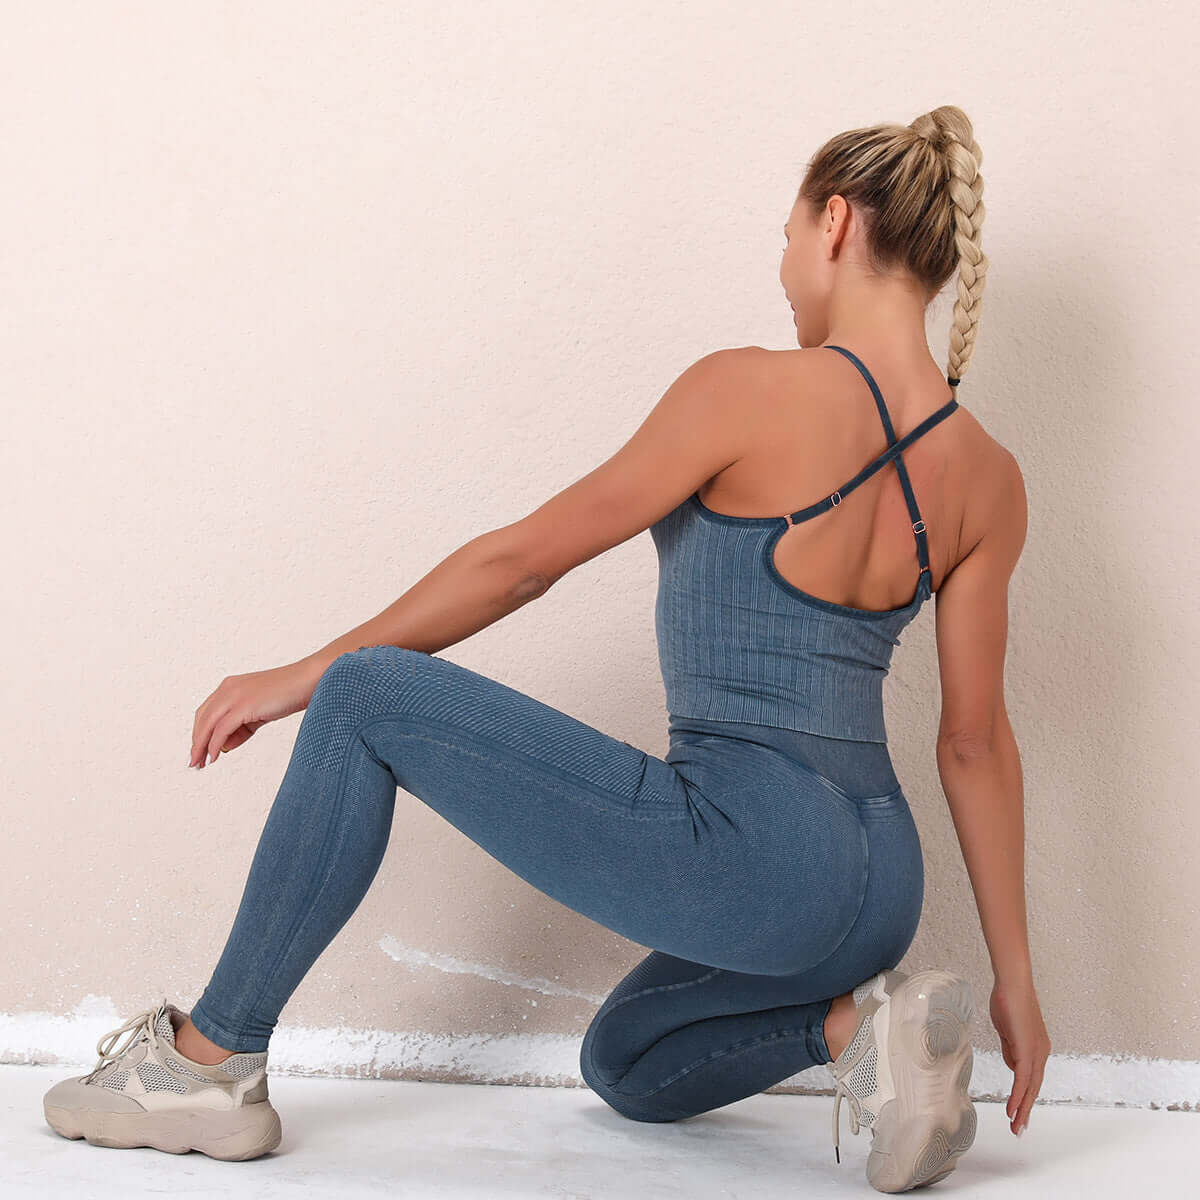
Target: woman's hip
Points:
x,y
825,870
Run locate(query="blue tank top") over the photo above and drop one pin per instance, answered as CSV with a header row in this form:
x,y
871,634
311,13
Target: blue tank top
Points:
x,y
738,642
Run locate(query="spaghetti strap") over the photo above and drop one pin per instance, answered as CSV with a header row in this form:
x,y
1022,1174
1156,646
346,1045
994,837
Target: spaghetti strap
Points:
x,y
896,447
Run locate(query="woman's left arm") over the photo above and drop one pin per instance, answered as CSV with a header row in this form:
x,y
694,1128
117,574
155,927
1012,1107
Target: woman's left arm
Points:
x,y
696,430
471,588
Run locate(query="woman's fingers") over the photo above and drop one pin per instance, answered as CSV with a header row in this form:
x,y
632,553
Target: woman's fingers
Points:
x,y
1025,1045
209,718
206,716
201,734
1016,1102
1031,1094
197,728
1026,1090
240,705
223,730
239,736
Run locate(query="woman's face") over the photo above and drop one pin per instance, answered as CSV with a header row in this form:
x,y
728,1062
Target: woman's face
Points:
x,y
804,273
820,256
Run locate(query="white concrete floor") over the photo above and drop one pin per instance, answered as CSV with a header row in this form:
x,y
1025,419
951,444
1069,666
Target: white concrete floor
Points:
x,y
348,1138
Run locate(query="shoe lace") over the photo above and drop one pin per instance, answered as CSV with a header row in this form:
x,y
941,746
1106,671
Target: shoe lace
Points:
x,y
840,1089
139,1028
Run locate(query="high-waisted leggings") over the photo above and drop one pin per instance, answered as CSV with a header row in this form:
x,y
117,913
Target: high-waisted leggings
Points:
x,y
766,871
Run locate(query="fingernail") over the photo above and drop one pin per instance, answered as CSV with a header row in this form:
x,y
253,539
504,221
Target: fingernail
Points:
x,y
1021,1131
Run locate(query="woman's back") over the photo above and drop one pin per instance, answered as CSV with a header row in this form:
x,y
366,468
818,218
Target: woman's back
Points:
x,y
814,426
745,633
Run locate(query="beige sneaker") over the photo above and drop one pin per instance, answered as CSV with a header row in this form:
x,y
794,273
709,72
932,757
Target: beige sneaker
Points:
x,y
906,1073
145,1093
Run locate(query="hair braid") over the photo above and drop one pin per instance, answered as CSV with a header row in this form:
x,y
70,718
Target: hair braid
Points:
x,y
951,133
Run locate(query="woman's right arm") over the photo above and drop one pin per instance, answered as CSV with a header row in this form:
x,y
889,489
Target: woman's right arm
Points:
x,y
980,770
985,792
977,756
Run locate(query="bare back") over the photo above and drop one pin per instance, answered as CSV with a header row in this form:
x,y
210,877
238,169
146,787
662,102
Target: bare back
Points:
x,y
813,425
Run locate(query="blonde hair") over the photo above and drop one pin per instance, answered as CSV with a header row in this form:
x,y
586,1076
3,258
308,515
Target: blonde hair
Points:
x,y
919,192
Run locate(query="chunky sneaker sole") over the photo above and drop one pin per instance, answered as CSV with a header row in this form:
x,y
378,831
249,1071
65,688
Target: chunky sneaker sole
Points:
x,y
145,1093
929,1122
241,1134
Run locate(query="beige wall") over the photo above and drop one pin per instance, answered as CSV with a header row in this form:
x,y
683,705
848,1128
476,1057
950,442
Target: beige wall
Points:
x,y
300,298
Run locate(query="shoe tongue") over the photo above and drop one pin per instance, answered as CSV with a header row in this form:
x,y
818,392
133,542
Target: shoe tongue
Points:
x,y
163,1026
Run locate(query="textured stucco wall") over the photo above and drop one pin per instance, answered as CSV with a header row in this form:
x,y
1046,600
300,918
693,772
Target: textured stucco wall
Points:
x,y
300,298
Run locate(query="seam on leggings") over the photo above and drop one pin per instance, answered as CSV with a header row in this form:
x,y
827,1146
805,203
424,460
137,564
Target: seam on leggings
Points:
x,y
518,759
848,800
665,987
606,1009
880,801
735,1047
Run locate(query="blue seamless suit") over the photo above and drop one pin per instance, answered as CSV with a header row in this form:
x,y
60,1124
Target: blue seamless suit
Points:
x,y
770,862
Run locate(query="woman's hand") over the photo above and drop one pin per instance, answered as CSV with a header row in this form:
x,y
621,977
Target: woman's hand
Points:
x,y
243,703
1025,1044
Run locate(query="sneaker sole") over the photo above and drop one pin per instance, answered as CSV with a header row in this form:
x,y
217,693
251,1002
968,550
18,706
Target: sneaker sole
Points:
x,y
236,1135
919,1136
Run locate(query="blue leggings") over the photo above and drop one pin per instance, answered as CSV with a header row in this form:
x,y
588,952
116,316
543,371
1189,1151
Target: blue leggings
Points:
x,y
767,871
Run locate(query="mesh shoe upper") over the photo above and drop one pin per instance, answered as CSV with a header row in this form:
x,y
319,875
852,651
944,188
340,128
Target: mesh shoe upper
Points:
x,y
861,1072
147,1068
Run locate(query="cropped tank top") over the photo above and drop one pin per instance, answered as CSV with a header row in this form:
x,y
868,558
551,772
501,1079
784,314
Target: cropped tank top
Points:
x,y
738,642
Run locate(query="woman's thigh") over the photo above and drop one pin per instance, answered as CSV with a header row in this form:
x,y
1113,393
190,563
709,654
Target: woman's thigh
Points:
x,y
725,856
676,1038
666,993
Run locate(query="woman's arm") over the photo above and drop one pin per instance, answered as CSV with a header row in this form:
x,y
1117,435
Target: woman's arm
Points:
x,y
985,792
473,587
980,770
977,754
695,430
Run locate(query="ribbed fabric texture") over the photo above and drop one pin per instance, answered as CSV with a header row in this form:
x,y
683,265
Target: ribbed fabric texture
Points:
x,y
737,642
393,688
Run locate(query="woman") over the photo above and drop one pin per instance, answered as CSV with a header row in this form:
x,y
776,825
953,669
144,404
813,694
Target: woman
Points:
x,y
770,860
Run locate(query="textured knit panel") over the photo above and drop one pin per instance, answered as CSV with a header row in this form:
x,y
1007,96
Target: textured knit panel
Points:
x,y
386,681
242,1066
156,1078
737,642
164,1028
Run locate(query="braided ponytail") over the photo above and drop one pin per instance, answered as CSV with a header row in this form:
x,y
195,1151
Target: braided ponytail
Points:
x,y
950,132
920,192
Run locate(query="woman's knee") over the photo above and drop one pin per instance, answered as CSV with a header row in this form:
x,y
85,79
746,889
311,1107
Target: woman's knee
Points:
x,y
605,1082
634,1108
355,688
359,680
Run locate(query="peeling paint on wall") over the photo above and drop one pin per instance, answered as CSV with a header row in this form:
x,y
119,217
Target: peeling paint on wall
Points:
x,y
458,966
552,1060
